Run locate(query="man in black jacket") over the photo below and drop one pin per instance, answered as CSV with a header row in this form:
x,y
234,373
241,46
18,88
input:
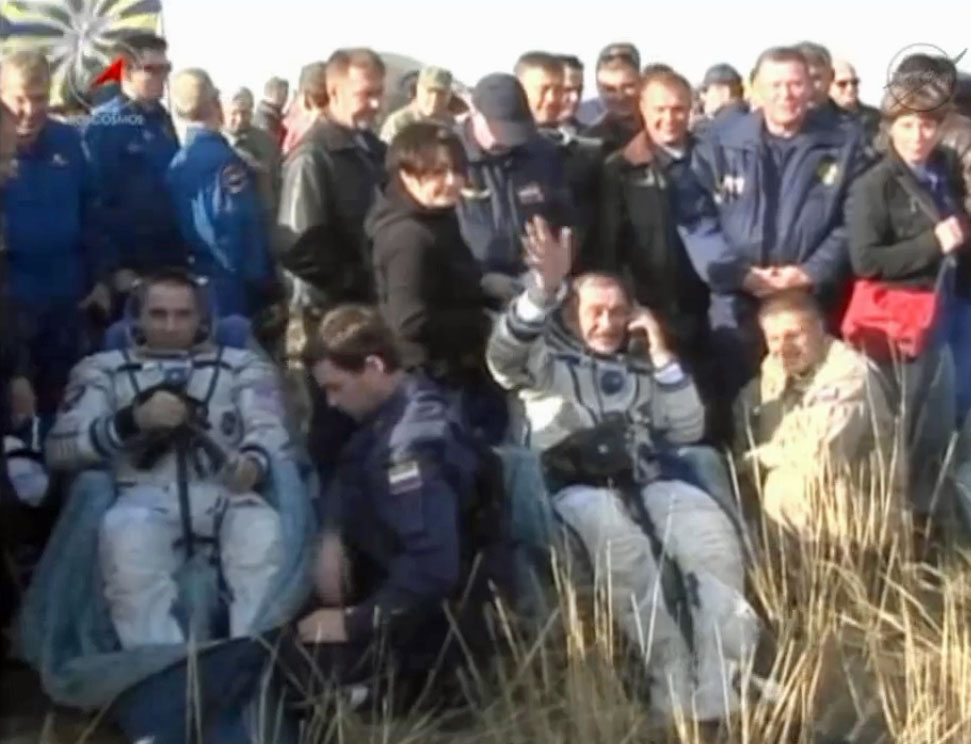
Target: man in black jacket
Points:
x,y
638,233
330,180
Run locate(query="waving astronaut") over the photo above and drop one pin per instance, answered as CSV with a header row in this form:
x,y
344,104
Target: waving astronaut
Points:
x,y
188,429
602,413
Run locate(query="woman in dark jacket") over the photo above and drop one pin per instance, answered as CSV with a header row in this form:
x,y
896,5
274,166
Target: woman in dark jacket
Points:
x,y
427,281
905,218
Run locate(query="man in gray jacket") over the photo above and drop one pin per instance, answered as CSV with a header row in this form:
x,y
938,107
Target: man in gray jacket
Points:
x,y
571,355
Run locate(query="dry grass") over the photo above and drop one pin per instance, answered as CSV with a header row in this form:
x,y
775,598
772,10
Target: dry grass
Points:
x,y
868,639
868,643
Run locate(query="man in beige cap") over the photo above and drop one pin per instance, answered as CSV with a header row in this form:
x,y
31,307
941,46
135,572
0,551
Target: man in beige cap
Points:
x,y
432,97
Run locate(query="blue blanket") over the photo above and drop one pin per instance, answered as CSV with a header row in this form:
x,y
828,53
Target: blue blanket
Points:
x,y
65,629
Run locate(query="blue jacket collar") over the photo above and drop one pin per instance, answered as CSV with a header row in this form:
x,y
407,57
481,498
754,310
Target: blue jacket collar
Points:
x,y
748,131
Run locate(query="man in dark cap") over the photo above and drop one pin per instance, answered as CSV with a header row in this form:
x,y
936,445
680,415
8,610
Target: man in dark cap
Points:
x,y
722,96
514,174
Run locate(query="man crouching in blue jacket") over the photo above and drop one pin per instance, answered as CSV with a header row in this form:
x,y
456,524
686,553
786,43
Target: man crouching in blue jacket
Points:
x,y
217,206
761,209
406,516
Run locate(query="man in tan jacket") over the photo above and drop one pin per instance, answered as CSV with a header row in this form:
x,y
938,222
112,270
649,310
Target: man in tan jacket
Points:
x,y
815,428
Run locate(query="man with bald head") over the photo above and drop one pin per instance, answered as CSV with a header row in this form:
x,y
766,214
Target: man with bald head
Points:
x,y
216,203
845,93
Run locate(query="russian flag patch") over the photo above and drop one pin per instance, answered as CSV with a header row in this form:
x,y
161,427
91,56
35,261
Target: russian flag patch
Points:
x,y
404,477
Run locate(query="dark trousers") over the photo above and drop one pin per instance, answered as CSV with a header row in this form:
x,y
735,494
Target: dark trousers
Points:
x,y
56,339
213,699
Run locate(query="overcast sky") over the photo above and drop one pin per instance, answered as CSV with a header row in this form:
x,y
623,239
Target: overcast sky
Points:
x,y
242,42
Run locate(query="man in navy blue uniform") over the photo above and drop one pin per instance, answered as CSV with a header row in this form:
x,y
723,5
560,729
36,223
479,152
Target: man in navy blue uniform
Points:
x,y
761,208
130,141
216,203
514,174
405,506
55,258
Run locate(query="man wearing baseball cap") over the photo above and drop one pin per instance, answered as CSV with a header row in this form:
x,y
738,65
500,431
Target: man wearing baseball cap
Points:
x,y
514,175
722,95
433,95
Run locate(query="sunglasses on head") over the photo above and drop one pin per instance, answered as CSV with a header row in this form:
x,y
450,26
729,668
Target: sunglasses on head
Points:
x,y
621,53
850,82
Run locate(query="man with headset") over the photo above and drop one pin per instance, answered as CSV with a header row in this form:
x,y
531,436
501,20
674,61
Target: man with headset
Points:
x,y
189,429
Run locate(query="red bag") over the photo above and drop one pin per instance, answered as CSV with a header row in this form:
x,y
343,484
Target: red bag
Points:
x,y
887,322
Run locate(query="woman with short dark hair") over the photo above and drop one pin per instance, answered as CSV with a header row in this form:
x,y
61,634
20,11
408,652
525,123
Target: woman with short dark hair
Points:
x,y
427,281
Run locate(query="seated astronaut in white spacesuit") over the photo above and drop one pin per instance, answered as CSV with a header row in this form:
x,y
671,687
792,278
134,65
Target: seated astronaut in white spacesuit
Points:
x,y
607,406
188,430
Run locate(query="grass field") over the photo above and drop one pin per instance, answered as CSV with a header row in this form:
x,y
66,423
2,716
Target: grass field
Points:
x,y
867,639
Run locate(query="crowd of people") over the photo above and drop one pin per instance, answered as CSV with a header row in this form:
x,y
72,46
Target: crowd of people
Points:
x,y
617,295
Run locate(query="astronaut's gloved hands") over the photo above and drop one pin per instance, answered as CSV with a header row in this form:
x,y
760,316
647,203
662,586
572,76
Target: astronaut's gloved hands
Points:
x,y
161,410
243,472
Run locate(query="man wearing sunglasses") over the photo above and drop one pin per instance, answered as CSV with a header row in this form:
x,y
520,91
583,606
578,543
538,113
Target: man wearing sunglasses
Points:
x,y
845,92
130,141
618,78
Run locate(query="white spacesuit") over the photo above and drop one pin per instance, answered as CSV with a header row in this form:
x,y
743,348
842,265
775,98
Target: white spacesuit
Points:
x,y
565,388
144,535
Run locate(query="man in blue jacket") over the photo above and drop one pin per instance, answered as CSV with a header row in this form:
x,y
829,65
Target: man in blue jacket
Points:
x,y
405,510
761,209
130,141
216,204
514,174
55,258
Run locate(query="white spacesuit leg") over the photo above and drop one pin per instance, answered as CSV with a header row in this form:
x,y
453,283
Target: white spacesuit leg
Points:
x,y
138,558
251,548
622,556
706,546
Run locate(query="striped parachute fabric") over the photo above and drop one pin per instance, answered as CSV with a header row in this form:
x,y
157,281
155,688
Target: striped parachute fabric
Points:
x,y
79,36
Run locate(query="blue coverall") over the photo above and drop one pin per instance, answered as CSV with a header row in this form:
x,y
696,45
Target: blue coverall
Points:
x,y
130,147
221,221
54,253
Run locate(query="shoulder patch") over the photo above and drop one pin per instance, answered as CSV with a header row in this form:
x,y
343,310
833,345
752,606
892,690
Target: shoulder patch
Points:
x,y
404,476
531,193
234,178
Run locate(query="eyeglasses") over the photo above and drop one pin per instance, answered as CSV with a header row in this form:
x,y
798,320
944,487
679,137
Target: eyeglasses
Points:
x,y
848,83
159,69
